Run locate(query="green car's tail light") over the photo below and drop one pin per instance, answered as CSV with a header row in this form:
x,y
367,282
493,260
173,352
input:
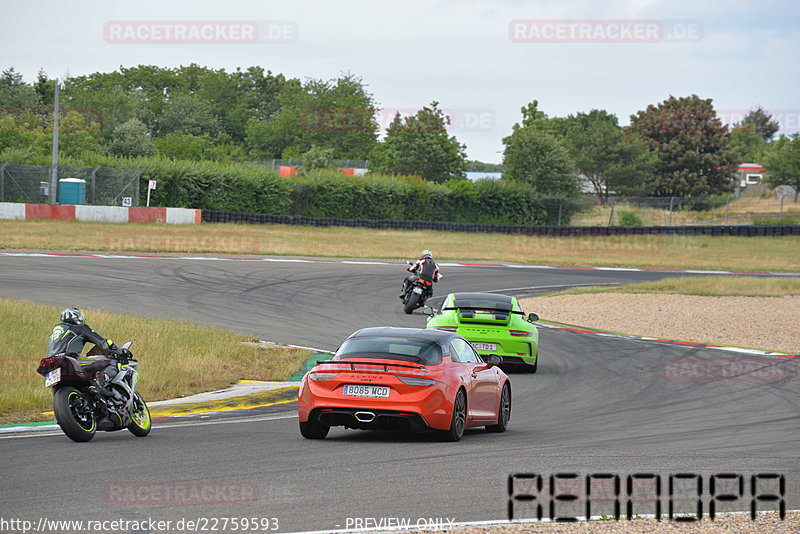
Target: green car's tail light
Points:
x,y
416,381
321,376
447,328
520,333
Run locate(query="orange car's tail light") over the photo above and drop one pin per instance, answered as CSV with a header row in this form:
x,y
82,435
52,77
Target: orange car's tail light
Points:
x,y
447,328
520,333
416,381
321,376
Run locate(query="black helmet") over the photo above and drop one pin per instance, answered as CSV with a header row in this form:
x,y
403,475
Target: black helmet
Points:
x,y
73,316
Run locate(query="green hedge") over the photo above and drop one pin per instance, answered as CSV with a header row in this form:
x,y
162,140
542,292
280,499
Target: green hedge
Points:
x,y
326,193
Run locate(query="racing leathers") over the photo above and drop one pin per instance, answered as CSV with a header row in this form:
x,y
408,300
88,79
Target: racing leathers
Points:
x,y
426,269
70,339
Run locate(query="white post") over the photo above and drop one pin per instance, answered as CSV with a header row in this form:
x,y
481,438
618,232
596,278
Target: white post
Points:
x,y
727,201
54,167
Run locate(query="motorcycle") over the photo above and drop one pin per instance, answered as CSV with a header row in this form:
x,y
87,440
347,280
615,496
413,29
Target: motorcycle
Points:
x,y
86,398
415,292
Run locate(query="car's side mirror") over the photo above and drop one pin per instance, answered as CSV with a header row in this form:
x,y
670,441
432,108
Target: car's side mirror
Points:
x,y
427,310
532,317
493,359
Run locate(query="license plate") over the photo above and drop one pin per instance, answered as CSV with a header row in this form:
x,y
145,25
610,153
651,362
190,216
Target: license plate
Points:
x,y
52,378
366,391
484,346
418,290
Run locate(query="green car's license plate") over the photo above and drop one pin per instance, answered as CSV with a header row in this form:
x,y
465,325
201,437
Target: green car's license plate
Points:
x,y
484,346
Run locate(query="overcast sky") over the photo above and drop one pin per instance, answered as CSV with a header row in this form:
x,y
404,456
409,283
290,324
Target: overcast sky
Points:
x,y
481,60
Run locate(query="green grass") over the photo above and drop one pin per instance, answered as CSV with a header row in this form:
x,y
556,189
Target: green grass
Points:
x,y
176,358
713,286
652,251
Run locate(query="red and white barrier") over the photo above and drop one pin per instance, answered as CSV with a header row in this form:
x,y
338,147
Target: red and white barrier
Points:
x,y
112,214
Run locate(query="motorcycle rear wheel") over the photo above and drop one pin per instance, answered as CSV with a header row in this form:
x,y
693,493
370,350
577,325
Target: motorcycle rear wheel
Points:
x,y
141,424
411,305
73,418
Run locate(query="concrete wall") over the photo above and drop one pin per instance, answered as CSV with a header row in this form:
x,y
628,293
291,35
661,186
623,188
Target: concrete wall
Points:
x,y
112,214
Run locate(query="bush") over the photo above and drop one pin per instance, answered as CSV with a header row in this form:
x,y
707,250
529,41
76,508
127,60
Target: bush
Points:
x,y
330,193
629,218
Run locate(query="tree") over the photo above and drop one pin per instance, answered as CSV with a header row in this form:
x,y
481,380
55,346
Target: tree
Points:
x,y
763,122
535,156
131,139
15,94
419,145
783,163
188,114
609,159
692,146
317,158
338,114
45,88
182,145
746,143
109,99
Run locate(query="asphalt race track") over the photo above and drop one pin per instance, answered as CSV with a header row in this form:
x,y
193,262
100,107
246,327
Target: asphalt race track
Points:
x,y
597,405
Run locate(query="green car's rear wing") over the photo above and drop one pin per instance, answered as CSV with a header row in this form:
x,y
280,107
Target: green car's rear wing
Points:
x,y
483,315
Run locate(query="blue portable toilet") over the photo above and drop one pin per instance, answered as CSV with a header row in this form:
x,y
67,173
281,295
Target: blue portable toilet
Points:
x,y
72,191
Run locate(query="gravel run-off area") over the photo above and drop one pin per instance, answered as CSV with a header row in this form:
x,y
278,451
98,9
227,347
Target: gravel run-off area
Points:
x,y
766,323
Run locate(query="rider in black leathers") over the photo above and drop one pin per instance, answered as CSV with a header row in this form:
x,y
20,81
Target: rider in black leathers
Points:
x,y
425,268
72,333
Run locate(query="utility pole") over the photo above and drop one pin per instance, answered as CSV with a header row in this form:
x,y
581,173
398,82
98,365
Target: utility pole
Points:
x,y
54,167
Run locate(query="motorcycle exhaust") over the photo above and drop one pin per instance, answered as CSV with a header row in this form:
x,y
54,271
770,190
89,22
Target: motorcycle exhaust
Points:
x,y
365,417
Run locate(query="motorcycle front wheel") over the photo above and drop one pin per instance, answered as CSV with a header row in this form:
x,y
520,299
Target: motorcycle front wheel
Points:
x,y
74,414
140,426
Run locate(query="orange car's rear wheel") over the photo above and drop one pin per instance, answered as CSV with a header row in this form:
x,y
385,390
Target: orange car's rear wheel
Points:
x,y
312,430
503,413
459,419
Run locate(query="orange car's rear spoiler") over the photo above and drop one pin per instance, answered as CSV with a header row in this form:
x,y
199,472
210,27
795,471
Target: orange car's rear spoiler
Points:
x,y
384,365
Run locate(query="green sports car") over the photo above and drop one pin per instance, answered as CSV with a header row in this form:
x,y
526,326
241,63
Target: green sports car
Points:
x,y
493,324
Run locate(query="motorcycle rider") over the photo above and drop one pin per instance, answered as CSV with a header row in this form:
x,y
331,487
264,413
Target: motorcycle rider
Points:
x,y
72,333
425,268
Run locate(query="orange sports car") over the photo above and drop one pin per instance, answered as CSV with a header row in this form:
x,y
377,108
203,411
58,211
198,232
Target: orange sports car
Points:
x,y
405,379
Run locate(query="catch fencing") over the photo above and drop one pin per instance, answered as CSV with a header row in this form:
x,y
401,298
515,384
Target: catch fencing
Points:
x,y
105,186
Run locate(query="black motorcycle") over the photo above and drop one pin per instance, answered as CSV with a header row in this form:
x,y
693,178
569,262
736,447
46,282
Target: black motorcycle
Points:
x,y
415,292
91,394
